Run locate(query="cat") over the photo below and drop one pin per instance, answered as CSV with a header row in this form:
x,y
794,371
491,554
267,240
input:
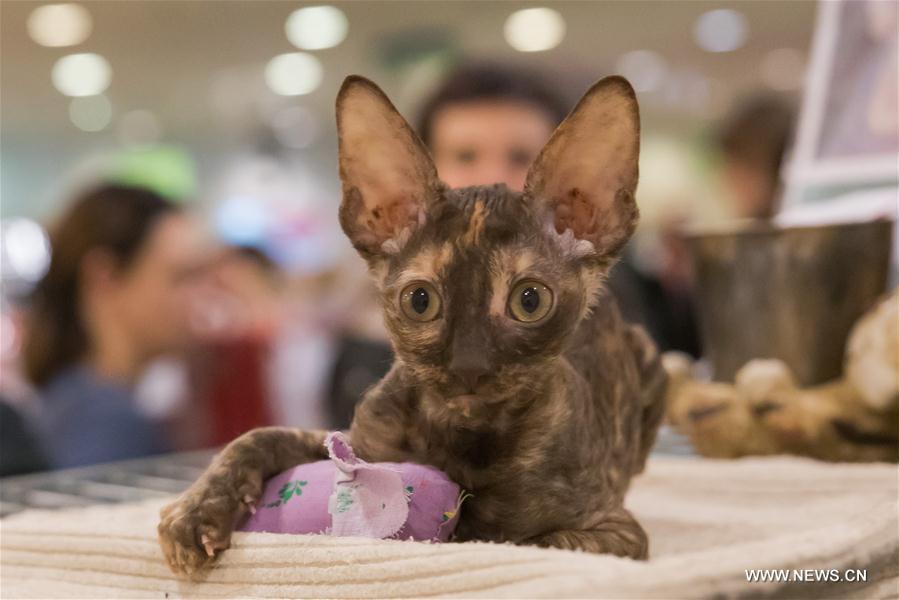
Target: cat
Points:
x,y
514,371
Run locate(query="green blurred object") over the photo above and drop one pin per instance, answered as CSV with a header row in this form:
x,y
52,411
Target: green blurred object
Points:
x,y
167,170
407,48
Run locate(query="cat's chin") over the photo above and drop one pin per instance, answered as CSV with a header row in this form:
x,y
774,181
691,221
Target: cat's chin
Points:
x,y
458,408
472,408
464,403
465,409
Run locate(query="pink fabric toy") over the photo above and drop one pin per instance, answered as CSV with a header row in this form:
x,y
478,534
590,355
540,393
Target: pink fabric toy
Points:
x,y
346,496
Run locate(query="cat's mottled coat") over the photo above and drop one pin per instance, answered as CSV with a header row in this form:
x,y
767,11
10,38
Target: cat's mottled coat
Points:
x,y
514,372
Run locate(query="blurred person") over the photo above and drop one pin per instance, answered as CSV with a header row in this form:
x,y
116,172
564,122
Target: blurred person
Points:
x,y
20,452
116,296
753,140
486,124
243,314
659,295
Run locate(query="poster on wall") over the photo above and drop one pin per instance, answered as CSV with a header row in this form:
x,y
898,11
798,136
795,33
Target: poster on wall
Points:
x,y
848,136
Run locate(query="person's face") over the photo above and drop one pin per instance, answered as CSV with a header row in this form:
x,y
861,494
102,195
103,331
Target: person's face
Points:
x,y
753,192
154,295
486,142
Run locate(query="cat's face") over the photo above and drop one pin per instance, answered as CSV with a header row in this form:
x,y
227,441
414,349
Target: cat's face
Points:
x,y
479,298
482,287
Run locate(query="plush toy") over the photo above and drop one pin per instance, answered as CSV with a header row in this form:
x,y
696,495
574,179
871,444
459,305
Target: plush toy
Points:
x,y
854,418
346,496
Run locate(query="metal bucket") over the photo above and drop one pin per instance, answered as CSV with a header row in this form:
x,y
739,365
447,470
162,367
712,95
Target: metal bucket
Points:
x,y
792,294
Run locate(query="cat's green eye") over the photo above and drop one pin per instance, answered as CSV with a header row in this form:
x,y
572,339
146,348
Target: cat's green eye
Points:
x,y
420,301
530,301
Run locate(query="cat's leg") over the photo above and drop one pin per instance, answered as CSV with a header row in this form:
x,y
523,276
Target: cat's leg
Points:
x,y
200,521
653,388
615,532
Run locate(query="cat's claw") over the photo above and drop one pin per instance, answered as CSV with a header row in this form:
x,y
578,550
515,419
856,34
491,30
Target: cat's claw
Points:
x,y
208,546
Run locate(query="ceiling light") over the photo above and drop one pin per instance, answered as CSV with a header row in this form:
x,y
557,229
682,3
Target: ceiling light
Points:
x,y
26,247
293,74
534,29
85,74
645,69
721,30
316,27
57,25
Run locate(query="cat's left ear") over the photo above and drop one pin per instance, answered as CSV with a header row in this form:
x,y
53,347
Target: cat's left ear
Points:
x,y
586,176
388,176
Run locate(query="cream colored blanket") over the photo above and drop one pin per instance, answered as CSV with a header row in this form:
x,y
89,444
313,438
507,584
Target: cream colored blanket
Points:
x,y
708,521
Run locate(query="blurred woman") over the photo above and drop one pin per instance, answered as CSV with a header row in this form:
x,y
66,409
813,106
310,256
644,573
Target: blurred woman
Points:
x,y
114,298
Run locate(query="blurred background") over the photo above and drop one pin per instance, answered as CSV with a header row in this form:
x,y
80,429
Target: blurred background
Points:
x,y
207,289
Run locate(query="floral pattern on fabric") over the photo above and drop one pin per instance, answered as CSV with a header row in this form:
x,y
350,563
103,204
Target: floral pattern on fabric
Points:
x,y
345,496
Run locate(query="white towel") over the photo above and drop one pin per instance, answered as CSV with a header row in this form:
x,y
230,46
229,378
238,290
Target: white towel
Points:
x,y
708,522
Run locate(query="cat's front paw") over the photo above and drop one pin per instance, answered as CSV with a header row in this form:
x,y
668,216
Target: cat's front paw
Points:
x,y
198,525
616,532
623,543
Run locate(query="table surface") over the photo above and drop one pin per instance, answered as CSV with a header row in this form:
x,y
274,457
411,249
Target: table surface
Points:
x,y
158,476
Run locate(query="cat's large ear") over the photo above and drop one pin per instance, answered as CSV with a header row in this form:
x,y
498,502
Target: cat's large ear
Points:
x,y
387,174
586,176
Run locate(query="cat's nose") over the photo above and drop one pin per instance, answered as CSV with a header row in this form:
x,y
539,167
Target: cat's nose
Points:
x,y
469,375
470,361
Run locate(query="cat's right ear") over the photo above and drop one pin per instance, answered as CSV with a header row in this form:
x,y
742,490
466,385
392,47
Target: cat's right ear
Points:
x,y
388,176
